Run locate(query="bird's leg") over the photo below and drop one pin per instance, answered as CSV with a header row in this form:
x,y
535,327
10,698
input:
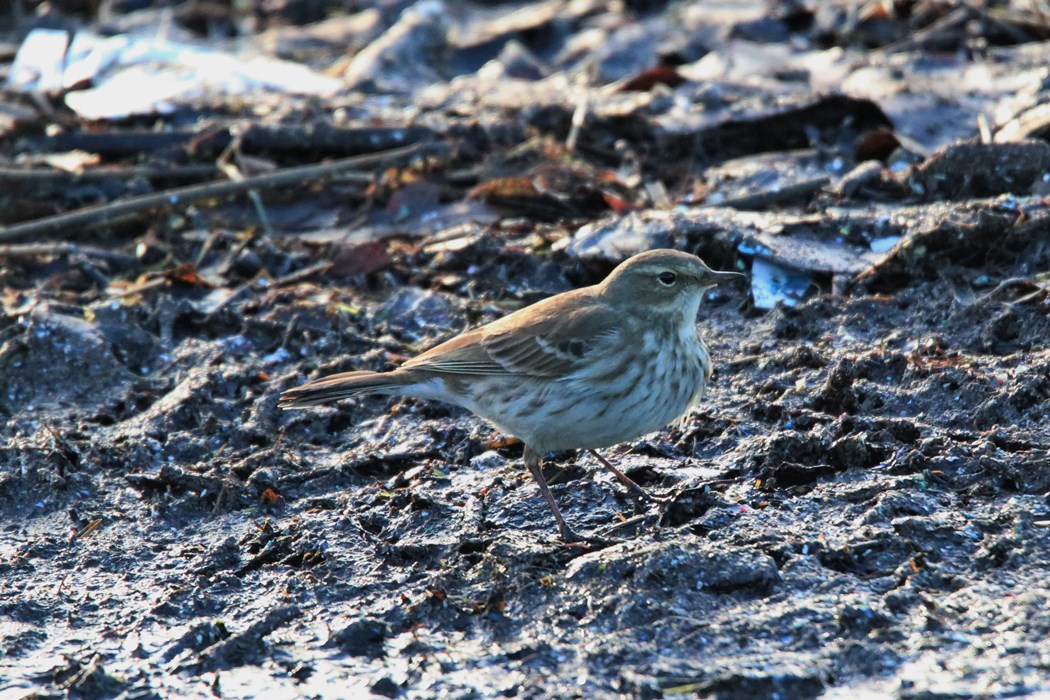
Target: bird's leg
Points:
x,y
532,461
637,491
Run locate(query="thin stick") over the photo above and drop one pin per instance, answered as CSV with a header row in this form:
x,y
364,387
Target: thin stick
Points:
x,y
300,275
23,175
951,22
107,213
27,251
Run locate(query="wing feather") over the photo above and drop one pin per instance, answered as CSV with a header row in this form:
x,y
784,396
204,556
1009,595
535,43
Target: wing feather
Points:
x,y
552,338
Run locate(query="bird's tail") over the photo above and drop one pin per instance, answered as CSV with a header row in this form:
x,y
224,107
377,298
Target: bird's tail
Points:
x,y
340,386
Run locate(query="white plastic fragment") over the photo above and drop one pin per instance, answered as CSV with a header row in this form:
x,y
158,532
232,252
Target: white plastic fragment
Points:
x,y
772,283
148,74
39,63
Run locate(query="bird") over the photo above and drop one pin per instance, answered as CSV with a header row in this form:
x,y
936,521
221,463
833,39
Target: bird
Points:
x,y
581,370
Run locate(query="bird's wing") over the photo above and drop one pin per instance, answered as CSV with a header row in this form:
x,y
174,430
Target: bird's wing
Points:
x,y
552,338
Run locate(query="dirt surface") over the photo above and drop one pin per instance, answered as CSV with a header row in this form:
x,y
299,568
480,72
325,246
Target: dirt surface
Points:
x,y
860,507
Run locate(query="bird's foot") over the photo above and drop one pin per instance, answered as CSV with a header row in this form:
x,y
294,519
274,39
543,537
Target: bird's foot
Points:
x,y
568,535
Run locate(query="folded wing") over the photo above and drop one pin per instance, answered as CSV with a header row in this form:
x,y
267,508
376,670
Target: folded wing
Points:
x,y
553,338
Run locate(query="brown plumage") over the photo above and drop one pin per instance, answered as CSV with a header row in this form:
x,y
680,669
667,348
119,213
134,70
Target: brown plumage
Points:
x,y
581,370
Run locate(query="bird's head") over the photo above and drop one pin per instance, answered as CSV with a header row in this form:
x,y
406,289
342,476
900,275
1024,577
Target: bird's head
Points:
x,y
662,281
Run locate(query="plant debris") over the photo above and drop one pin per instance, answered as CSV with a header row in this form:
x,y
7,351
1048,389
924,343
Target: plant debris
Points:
x,y
859,505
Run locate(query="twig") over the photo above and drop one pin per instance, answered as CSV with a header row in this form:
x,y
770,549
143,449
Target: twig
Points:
x,y
107,213
579,117
212,139
743,361
1005,284
236,292
922,38
1028,297
1012,282
96,275
182,172
300,275
138,288
229,162
19,251
87,529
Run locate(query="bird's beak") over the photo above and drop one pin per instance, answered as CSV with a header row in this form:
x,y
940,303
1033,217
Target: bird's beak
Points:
x,y
715,277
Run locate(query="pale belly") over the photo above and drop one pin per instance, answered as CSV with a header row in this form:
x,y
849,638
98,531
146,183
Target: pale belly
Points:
x,y
578,412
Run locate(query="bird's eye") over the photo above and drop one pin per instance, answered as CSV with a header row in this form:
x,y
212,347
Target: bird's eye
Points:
x,y
667,279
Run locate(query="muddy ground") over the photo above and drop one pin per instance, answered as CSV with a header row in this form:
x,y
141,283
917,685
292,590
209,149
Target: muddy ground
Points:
x,y
859,508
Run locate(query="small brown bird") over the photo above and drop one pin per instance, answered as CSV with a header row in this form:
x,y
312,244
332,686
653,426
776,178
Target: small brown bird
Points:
x,y
584,369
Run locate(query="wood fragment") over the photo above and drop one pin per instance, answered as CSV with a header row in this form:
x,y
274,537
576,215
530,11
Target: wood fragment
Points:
x,y
101,215
87,529
29,251
39,175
